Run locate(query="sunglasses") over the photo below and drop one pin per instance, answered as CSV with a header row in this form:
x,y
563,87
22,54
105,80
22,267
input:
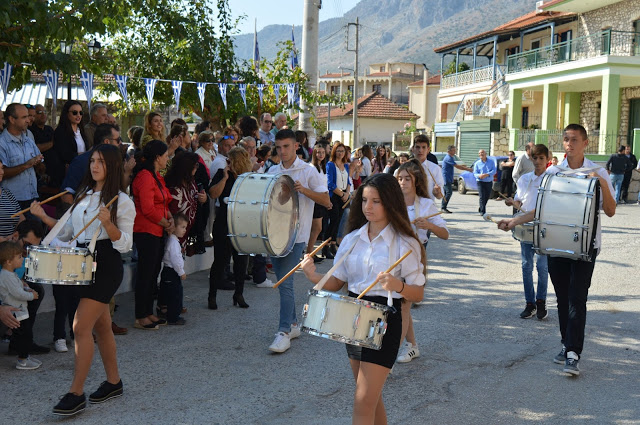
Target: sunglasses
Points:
x,y
268,122
208,141
228,137
119,140
77,112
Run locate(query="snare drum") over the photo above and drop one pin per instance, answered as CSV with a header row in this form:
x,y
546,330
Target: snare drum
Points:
x,y
263,214
59,265
566,216
345,319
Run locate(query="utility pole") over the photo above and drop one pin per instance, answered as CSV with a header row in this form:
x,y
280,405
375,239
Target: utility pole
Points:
x,y
355,85
310,24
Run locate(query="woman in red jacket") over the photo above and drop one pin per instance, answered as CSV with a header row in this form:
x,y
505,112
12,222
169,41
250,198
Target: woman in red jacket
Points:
x,y
153,217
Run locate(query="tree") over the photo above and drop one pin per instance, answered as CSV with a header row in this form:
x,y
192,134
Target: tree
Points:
x,y
451,69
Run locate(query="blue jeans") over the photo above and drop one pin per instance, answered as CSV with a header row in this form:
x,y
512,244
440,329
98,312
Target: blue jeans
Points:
x,y
616,181
448,191
282,266
527,252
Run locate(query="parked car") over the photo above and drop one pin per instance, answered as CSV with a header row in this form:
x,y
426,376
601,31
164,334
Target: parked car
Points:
x,y
456,172
467,181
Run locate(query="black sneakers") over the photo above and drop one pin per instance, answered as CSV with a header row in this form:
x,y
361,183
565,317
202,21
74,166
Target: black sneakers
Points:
x,y
105,392
561,356
541,306
529,311
571,364
70,404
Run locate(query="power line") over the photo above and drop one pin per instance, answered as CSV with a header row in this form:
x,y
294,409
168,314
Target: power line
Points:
x,y
333,34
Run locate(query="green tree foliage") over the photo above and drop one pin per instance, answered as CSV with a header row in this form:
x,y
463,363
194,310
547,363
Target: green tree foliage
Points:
x,y
451,69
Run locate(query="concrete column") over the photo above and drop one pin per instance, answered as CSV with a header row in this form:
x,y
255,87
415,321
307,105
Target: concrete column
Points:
x,y
571,108
390,84
609,113
515,115
309,62
550,107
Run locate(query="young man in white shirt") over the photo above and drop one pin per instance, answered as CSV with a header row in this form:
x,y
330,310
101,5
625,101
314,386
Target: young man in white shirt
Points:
x,y
311,188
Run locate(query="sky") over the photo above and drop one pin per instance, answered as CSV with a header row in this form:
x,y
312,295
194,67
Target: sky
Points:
x,y
283,12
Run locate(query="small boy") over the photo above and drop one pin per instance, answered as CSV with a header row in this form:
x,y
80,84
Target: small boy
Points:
x,y
173,271
525,199
14,293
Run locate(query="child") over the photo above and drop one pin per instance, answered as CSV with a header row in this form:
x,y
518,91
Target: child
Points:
x,y
14,293
525,200
173,271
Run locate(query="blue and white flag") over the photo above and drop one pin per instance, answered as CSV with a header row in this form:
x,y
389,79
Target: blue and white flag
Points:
x,y
223,93
150,87
294,53
177,88
121,81
291,93
5,76
276,91
51,78
260,90
87,84
201,90
243,93
256,49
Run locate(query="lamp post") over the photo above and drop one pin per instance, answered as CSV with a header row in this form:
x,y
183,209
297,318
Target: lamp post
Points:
x,y
66,47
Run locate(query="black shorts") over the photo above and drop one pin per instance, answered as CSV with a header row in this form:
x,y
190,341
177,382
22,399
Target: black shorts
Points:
x,y
385,356
319,211
108,275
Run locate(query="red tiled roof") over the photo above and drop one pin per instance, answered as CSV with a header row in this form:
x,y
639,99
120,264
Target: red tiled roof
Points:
x,y
434,79
335,75
528,20
372,105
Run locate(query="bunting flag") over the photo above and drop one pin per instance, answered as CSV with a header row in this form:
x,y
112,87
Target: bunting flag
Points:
x,y
5,76
260,90
177,88
201,90
150,87
276,91
291,93
51,78
121,81
87,84
256,49
294,53
223,93
243,93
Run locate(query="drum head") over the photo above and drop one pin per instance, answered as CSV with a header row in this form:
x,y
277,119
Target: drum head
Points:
x,y
282,216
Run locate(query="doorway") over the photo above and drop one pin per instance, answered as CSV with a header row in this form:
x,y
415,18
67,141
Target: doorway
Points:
x,y
634,122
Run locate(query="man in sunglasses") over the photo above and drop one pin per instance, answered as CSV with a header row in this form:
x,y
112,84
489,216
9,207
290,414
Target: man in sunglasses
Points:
x,y
266,137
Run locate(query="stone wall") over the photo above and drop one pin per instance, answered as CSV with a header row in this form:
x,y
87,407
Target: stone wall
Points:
x,y
590,114
618,16
500,142
634,187
625,97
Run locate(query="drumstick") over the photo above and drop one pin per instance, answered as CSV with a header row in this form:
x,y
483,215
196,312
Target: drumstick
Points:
x,y
347,203
43,202
300,263
93,219
428,217
505,197
393,266
489,218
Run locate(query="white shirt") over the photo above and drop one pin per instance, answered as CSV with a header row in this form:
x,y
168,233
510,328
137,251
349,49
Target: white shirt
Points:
x,y
79,141
366,167
207,156
173,255
342,178
310,178
88,208
218,163
527,192
601,172
368,258
426,207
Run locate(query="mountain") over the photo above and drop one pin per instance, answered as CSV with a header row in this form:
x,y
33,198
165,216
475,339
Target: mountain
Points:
x,y
393,30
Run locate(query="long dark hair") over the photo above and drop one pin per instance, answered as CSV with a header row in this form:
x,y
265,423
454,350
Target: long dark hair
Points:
x,y
415,170
64,118
247,126
321,166
150,152
181,171
394,207
114,179
379,159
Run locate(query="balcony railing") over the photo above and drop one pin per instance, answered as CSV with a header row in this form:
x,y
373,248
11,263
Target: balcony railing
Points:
x,y
464,78
609,42
553,139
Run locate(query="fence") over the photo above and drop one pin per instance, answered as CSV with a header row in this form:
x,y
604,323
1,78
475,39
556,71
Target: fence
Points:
x,y
599,143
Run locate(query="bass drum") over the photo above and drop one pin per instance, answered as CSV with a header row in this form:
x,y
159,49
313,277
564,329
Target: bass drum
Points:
x,y
263,214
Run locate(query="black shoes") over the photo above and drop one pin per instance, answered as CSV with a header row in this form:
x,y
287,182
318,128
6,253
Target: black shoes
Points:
x,y
71,404
105,392
212,304
529,311
239,301
541,306
326,253
444,210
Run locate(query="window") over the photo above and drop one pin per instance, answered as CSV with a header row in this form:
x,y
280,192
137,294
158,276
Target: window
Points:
x,y
525,117
377,88
535,44
382,68
335,90
350,88
511,51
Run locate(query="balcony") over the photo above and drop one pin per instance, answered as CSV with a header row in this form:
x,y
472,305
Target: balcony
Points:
x,y
473,76
604,43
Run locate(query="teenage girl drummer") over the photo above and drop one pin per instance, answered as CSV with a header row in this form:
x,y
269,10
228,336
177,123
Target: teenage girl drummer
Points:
x,y
102,182
379,233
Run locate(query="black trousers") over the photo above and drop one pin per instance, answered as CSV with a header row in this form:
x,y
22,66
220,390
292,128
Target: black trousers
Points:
x,y
571,280
335,215
22,338
67,299
624,190
223,251
150,250
484,190
172,292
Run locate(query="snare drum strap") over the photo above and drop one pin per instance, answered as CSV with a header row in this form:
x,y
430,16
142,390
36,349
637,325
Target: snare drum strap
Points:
x,y
57,228
585,171
326,277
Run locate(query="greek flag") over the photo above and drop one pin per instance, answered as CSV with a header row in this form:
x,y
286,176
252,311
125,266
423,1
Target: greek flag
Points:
x,y
87,85
177,88
256,49
121,81
51,78
294,53
291,93
223,93
243,93
150,86
276,91
260,90
5,76
201,89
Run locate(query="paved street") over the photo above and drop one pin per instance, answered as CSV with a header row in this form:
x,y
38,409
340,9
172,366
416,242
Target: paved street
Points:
x,y
479,363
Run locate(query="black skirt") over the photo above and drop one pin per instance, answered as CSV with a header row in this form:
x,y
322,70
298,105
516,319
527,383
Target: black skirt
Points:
x,y
386,355
319,211
108,275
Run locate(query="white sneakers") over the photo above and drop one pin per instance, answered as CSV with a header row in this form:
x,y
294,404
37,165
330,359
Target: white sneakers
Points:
x,y
28,364
266,284
295,332
281,343
407,353
61,345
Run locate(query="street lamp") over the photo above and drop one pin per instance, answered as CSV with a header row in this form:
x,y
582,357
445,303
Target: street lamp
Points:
x,y
66,47
94,47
